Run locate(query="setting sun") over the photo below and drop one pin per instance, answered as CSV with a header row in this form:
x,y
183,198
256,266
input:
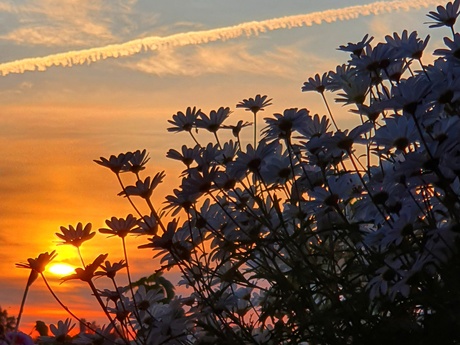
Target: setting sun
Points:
x,y
61,269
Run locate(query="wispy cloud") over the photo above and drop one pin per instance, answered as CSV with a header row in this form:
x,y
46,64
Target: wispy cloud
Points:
x,y
201,37
66,23
284,61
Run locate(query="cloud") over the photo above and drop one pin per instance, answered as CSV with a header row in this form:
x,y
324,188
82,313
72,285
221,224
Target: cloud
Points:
x,y
65,22
201,37
221,60
229,59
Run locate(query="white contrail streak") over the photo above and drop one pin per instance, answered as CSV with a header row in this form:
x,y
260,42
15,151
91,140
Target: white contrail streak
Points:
x,y
200,37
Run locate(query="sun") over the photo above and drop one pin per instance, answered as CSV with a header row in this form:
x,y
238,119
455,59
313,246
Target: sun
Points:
x,y
61,269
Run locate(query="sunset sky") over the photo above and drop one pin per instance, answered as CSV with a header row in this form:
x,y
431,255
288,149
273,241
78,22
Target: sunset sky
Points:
x,y
150,60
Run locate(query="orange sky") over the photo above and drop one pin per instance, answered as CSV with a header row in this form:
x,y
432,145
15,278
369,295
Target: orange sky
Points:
x,y
54,123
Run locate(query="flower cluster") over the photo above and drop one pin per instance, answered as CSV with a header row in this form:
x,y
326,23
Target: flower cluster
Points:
x,y
311,234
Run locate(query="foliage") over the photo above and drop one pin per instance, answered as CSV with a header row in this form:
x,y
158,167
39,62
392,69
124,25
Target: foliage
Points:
x,y
7,322
311,235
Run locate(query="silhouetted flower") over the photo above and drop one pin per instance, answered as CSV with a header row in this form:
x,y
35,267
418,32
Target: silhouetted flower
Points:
x,y
445,16
145,188
343,140
110,270
76,236
278,169
113,295
214,121
251,160
145,298
199,183
317,83
407,46
180,201
137,161
38,265
61,333
314,126
148,225
186,156
102,335
357,48
409,95
87,273
115,163
236,129
119,226
394,71
343,75
399,132
184,122
227,153
374,60
355,89
452,54
284,124
164,241
256,104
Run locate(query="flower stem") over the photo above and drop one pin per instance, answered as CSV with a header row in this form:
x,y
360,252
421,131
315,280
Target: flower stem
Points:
x,y
329,111
65,307
101,303
255,129
129,198
23,302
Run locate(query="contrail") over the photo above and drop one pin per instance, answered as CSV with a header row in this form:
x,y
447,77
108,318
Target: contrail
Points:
x,y
153,43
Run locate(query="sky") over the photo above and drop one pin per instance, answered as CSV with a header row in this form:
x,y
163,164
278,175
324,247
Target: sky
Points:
x,y
81,79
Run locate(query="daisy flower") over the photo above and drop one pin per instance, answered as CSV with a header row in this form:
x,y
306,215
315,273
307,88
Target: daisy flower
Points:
x,y
357,48
184,122
75,236
120,226
137,161
317,83
407,46
444,16
214,121
399,132
37,265
116,164
284,124
145,188
256,104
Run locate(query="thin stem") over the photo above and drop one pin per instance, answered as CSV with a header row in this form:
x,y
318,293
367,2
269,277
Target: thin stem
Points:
x,y
217,140
68,310
81,257
424,69
194,139
329,111
101,303
155,214
255,129
129,280
129,198
23,302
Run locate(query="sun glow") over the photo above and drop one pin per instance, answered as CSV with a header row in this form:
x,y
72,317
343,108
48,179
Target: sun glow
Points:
x,y
61,269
